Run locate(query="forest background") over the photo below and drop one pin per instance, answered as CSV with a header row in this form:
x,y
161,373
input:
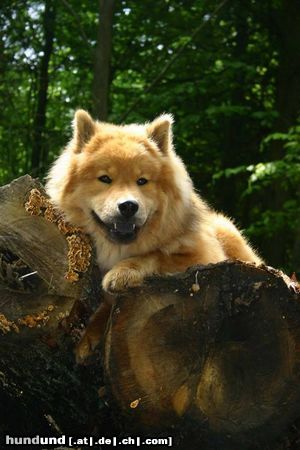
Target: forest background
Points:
x,y
229,72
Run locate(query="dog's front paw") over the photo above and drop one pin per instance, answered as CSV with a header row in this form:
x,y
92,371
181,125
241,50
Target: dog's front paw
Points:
x,y
84,349
119,279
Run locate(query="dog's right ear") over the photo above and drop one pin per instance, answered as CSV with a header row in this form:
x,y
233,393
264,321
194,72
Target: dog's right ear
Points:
x,y
160,131
84,128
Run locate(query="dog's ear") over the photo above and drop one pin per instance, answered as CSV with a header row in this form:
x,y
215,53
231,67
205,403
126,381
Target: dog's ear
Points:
x,y
160,131
84,128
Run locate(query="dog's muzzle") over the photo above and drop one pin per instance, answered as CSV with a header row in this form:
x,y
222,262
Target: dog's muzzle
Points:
x,y
121,231
128,208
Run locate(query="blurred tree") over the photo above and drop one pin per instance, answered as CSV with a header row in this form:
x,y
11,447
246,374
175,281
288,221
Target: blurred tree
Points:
x,y
103,60
39,122
286,31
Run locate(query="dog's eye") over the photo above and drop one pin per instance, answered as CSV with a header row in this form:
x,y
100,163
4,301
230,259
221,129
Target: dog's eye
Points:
x,y
141,181
105,179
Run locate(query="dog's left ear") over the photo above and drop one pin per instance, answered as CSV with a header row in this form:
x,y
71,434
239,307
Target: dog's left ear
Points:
x,y
160,131
84,128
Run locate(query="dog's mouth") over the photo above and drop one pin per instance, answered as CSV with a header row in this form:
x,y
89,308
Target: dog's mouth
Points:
x,y
120,231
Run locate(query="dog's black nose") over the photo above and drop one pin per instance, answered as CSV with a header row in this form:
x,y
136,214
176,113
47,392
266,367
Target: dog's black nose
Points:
x,y
128,209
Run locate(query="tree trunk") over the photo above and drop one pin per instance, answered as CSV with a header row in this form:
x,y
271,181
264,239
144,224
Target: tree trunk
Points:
x,y
209,357
103,60
287,31
288,86
39,153
235,145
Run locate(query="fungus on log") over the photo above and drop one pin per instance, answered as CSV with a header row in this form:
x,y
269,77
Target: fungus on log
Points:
x,y
210,357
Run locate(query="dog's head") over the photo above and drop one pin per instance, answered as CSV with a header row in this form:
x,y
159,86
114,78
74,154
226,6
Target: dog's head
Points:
x,y
119,180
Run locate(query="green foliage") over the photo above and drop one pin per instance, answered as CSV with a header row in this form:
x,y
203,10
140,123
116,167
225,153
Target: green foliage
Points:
x,y
285,174
267,224
228,90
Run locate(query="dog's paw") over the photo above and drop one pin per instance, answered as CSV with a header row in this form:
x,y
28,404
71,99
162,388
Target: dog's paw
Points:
x,y
91,337
119,279
84,349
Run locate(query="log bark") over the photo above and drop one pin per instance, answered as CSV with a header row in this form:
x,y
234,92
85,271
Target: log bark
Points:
x,y
209,357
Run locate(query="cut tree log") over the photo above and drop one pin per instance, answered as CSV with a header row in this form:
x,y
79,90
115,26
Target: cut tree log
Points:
x,y
210,357
215,351
42,315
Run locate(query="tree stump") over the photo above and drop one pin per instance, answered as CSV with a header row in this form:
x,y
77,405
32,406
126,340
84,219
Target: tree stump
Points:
x,y
210,357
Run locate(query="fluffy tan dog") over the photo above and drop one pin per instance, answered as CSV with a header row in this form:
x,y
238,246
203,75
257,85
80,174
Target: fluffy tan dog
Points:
x,y
127,188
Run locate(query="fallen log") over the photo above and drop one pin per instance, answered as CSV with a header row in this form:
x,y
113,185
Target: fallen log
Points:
x,y
42,315
209,357
217,347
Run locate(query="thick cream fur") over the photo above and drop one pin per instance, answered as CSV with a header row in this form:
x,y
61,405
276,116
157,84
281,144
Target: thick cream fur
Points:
x,y
178,228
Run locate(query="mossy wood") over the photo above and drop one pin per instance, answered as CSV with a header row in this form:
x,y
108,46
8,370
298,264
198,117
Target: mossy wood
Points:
x,y
211,356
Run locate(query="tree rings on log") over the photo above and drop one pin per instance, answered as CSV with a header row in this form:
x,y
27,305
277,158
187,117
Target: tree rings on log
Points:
x,y
217,347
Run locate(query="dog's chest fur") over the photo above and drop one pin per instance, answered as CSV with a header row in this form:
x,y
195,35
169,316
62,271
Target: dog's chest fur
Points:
x,y
109,254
